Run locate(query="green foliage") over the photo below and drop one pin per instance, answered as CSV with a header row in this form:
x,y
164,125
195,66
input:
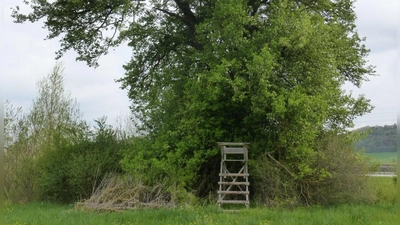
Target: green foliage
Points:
x,y
54,114
52,154
20,174
342,172
71,171
266,83
265,72
379,139
275,186
383,189
17,160
337,175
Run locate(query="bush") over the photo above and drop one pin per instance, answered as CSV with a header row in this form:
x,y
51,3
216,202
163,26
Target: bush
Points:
x,y
346,181
20,174
72,170
140,161
272,185
338,176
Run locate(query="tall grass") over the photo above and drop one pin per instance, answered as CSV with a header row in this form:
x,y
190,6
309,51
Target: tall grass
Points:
x,y
384,190
46,214
382,211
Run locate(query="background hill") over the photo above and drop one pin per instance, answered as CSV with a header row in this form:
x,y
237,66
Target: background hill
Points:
x,y
380,139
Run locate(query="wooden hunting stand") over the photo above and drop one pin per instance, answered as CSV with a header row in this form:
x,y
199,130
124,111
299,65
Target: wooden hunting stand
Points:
x,y
234,175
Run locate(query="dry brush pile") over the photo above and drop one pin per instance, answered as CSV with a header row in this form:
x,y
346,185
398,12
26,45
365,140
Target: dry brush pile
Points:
x,y
121,193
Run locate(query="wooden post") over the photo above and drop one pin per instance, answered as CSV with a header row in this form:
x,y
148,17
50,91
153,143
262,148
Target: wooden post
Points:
x,y
234,175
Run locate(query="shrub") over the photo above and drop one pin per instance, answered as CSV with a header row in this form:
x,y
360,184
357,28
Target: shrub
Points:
x,y
72,170
346,181
272,186
20,174
338,176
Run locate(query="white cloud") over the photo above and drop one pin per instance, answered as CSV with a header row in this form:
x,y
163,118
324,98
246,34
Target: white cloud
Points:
x,y
378,23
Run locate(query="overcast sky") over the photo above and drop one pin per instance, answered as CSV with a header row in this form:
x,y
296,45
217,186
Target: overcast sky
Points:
x,y
27,57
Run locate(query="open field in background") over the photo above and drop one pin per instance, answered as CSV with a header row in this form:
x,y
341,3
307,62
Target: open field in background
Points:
x,y
383,157
384,211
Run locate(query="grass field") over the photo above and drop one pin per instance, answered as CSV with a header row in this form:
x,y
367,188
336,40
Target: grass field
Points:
x,y
383,157
384,211
46,214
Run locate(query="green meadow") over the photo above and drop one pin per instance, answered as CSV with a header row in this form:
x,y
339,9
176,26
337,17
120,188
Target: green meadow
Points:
x,y
51,214
382,211
383,157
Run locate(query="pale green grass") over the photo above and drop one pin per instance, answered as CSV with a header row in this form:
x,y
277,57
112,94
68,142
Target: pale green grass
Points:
x,y
383,157
384,189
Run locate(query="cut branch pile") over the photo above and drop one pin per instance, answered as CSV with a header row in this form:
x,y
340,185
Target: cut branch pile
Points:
x,y
115,193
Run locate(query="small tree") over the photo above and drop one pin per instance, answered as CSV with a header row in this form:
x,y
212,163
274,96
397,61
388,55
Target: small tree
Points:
x,y
53,114
53,111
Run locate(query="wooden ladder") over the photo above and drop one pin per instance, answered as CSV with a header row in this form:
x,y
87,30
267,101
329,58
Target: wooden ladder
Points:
x,y
234,176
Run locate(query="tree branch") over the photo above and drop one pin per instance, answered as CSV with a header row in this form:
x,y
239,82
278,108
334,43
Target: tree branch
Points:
x,y
189,17
169,13
280,164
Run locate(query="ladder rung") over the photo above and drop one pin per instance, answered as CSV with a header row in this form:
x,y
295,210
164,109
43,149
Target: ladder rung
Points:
x,y
234,192
234,183
233,202
233,174
233,160
234,151
233,143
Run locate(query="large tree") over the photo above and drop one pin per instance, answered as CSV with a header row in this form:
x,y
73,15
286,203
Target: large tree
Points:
x,y
267,72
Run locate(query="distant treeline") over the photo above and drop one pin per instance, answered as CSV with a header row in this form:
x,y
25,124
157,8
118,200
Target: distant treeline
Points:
x,y
379,139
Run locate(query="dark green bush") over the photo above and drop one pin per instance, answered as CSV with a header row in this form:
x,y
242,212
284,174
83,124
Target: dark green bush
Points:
x,y
71,170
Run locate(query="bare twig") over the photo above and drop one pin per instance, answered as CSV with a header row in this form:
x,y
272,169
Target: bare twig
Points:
x,y
115,193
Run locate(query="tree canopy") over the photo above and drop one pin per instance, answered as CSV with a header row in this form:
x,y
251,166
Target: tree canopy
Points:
x,y
268,72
